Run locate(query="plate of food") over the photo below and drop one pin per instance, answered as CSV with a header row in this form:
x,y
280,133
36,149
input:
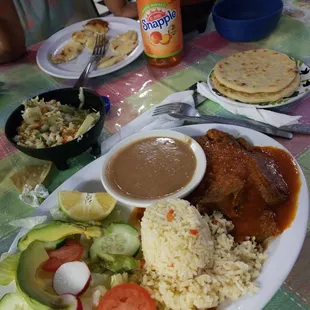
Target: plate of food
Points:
x,y
66,53
259,78
223,246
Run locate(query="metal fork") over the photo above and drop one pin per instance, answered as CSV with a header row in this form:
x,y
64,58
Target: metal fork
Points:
x,y
187,112
98,52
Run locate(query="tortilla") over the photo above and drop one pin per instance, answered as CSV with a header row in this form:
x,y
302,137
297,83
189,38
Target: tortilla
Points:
x,y
97,25
30,175
91,43
108,61
82,36
256,71
69,52
257,97
125,43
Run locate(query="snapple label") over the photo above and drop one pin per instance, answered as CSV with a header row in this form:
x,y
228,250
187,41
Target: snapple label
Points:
x,y
161,28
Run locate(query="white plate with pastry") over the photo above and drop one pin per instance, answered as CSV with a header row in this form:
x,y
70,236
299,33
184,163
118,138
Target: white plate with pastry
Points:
x,y
66,53
259,78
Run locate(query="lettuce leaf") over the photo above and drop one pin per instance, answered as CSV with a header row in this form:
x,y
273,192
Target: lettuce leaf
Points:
x,y
28,222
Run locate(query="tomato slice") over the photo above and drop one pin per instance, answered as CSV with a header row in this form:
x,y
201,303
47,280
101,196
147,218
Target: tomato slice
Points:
x,y
70,252
128,296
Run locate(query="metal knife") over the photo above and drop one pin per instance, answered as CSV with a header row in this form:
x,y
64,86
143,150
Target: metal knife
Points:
x,y
296,128
270,130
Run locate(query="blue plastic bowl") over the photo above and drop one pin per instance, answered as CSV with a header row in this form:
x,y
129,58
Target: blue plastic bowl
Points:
x,y
246,20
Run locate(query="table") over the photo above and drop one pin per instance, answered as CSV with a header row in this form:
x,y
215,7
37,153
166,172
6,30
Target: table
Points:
x,y
132,91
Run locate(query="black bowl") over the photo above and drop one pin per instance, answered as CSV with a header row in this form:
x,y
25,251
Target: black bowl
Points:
x,y
61,153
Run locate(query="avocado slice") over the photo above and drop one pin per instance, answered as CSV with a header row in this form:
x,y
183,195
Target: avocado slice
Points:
x,y
88,122
8,268
28,286
56,230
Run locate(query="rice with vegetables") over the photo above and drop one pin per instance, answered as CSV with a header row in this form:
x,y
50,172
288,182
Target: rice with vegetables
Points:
x,y
191,261
47,124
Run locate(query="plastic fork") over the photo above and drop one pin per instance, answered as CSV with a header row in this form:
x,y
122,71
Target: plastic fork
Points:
x,y
187,112
98,52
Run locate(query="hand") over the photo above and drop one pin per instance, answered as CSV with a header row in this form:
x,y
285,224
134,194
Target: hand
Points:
x,y
7,51
122,8
12,38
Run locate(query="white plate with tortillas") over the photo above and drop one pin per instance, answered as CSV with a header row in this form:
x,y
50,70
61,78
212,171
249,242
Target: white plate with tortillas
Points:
x,y
259,78
72,69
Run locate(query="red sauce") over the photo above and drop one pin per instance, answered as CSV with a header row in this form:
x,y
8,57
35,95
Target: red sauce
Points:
x,y
252,217
285,212
136,217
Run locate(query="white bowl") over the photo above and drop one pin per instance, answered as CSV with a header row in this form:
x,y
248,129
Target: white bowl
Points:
x,y
201,164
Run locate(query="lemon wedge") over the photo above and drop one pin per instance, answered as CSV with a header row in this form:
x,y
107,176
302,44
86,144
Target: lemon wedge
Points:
x,y
86,206
88,122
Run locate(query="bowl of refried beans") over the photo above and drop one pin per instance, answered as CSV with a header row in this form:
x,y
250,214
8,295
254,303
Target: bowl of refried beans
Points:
x,y
153,165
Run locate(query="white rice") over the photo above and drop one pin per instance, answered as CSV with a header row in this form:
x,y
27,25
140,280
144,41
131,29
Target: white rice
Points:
x,y
188,271
169,247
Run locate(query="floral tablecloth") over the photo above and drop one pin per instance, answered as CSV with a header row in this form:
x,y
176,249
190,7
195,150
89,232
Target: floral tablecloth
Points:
x,y
132,91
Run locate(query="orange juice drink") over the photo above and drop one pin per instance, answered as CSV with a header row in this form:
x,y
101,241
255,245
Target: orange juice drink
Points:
x,y
161,28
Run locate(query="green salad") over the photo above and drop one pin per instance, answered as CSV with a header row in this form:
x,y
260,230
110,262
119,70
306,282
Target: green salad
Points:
x,y
69,264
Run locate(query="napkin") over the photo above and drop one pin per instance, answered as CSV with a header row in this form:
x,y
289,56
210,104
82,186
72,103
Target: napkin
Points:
x,y
147,122
260,115
34,197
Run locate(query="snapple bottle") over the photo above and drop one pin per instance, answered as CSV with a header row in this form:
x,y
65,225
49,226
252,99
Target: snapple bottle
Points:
x,y
161,28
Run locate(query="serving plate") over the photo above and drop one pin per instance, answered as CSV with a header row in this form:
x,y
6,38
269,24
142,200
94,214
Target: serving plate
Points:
x,y
301,91
74,68
283,250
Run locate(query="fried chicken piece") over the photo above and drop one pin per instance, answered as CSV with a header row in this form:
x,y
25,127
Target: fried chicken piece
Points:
x,y
241,182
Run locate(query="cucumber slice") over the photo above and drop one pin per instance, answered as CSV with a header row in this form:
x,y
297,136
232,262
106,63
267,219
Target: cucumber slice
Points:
x,y
13,301
122,228
53,245
121,239
118,263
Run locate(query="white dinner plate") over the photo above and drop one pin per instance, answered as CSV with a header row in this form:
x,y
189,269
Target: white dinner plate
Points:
x,y
301,91
283,250
74,68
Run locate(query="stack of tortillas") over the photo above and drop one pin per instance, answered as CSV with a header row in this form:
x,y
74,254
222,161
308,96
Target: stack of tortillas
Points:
x,y
256,76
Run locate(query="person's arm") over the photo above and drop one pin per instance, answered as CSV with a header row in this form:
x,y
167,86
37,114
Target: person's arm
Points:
x,y
122,8
12,38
